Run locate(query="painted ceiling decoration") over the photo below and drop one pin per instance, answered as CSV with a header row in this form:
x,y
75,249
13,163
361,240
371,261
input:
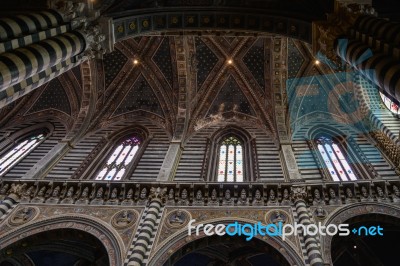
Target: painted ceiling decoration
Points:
x,y
295,59
77,73
230,98
255,61
204,61
113,63
53,96
162,59
150,89
140,97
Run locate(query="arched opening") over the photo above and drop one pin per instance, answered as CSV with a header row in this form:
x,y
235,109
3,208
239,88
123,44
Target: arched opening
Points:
x,y
362,249
62,247
217,250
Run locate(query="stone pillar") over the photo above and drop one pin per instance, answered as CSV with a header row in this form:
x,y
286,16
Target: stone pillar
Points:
x,y
290,162
170,163
137,254
47,162
299,195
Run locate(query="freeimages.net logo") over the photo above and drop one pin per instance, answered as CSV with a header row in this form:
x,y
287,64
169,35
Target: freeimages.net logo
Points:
x,y
280,230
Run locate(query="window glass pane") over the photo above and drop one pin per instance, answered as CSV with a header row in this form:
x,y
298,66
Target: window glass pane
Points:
x,y
123,155
328,163
102,173
335,160
336,163
239,164
110,174
222,163
231,162
18,152
393,107
120,173
230,165
344,163
131,155
115,154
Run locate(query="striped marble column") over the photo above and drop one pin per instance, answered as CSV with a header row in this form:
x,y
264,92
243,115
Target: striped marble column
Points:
x,y
20,25
379,30
22,63
299,195
381,69
140,247
32,38
26,86
12,199
5,205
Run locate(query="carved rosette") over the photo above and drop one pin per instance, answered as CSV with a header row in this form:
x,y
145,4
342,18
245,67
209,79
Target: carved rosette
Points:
x,y
276,217
177,218
23,216
124,219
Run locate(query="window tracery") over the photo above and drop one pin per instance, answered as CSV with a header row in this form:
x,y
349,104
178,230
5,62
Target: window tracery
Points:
x,y
117,163
22,148
230,165
334,159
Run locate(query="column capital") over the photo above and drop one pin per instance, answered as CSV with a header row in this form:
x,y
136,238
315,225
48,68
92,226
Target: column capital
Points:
x,y
337,24
16,191
95,42
298,193
158,194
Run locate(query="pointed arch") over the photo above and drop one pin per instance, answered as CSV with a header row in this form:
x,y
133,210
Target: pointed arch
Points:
x,y
339,156
16,147
118,157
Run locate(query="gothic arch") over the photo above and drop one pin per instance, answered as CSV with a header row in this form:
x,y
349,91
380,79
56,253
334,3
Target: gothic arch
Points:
x,y
345,213
181,238
99,229
345,140
210,168
102,151
15,135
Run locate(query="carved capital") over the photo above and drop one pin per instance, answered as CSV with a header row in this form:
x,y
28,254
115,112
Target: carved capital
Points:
x,y
95,42
158,193
325,33
298,193
69,10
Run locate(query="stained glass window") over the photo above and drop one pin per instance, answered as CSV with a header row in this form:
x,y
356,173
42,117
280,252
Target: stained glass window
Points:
x,y
394,108
21,149
120,158
335,160
230,165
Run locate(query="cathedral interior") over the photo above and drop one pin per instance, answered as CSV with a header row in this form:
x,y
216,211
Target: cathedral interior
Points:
x,y
125,122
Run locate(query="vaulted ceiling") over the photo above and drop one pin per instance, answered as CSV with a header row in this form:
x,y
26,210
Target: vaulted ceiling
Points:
x,y
178,82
